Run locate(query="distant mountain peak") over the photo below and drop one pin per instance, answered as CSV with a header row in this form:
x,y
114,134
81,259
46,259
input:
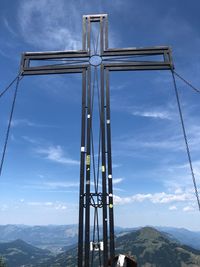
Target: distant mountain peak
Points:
x,y
149,233
18,241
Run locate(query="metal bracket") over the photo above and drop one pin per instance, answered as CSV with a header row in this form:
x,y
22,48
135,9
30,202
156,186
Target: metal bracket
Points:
x,y
96,246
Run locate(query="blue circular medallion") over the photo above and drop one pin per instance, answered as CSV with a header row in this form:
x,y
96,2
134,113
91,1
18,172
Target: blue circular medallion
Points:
x,y
95,60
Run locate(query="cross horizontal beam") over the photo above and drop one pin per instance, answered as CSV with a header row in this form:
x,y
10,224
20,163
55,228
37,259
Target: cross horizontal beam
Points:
x,y
44,70
82,58
146,65
30,57
138,51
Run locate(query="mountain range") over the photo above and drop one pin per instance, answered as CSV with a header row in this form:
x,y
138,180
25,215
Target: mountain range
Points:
x,y
19,253
57,237
150,247
51,237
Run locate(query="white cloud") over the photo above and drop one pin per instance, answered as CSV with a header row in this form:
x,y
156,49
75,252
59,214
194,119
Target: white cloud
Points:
x,y
60,207
48,203
156,198
34,203
30,140
178,191
117,180
188,208
56,154
119,87
186,166
52,26
48,25
3,207
168,198
152,114
53,186
134,198
26,122
114,165
172,208
53,205
8,27
22,122
56,185
173,143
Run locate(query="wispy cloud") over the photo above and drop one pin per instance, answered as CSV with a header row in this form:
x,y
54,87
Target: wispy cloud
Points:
x,y
153,114
56,154
49,26
188,208
53,186
53,205
46,24
36,203
148,142
8,27
115,165
30,140
164,112
2,53
4,207
173,207
117,180
57,185
119,87
26,122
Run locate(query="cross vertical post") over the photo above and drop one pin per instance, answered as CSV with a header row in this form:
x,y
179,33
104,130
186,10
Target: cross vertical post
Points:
x,y
95,61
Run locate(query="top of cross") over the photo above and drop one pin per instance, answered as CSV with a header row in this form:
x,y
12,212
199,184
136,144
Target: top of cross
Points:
x,y
95,52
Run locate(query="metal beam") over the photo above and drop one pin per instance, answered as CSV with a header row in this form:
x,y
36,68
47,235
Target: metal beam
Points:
x,y
159,50
133,66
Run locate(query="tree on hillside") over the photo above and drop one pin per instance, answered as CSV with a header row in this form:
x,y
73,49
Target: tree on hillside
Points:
x,y
2,262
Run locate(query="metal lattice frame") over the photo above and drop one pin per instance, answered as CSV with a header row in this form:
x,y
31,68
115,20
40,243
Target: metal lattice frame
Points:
x,y
80,61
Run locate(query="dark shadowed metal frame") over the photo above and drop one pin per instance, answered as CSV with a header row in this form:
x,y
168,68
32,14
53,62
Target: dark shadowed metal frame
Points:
x,y
112,59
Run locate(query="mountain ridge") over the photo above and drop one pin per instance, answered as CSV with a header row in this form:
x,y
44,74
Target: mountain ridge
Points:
x,y
57,237
153,248
19,253
150,247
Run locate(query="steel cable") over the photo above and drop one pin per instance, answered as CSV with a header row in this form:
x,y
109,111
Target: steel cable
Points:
x,y
95,234
185,81
8,87
9,124
100,129
92,137
186,140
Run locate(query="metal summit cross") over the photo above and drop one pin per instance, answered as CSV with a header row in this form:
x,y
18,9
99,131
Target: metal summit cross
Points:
x,y
95,60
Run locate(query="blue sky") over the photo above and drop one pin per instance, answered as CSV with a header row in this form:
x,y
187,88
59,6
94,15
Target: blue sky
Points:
x,y
152,182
